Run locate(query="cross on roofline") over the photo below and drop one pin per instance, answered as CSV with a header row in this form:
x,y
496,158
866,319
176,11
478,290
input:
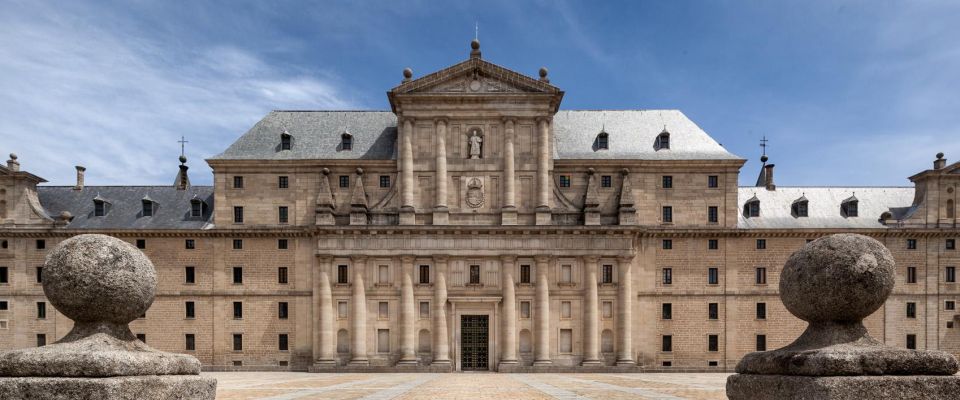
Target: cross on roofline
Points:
x,y
182,141
763,145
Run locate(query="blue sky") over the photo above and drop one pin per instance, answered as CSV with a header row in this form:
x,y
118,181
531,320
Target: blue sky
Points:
x,y
847,92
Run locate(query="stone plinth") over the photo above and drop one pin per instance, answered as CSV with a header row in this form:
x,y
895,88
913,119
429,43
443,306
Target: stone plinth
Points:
x,y
792,387
153,387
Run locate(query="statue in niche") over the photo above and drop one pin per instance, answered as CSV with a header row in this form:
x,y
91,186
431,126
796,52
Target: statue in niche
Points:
x,y
476,141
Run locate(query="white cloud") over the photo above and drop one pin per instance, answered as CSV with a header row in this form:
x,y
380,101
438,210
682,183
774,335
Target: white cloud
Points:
x,y
77,91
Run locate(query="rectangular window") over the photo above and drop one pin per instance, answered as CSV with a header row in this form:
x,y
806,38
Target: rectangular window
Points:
x,y
667,244
283,182
713,181
761,244
4,275
39,274
383,310
666,311
283,342
951,244
761,310
98,209
41,340
761,342
475,274
713,343
383,274
424,309
524,274
343,309
189,275
911,342
342,274
761,276
424,274
189,342
196,208
607,275
667,276
524,309
606,181
713,276
282,275
951,274
237,275
237,310
566,273
4,305
713,244
283,310
238,215
949,305
911,310
237,342
141,244
667,214
666,343
566,340
282,244
607,309
41,310
911,274
383,340
344,181
147,208
713,311
384,181
190,244
911,244
565,309
238,182
283,214
713,215
667,182
565,181
190,311
41,244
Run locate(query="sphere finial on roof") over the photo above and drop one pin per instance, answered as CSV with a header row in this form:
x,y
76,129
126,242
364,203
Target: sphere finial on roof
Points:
x,y
939,156
475,44
764,158
407,73
13,156
543,72
183,159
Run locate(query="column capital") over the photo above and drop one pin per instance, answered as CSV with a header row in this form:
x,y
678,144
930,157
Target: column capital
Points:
x,y
407,258
441,258
508,120
626,258
325,258
542,258
543,119
509,258
407,120
591,258
358,258
441,121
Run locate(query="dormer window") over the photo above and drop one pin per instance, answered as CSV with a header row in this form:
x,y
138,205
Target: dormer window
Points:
x,y
603,141
285,141
663,141
849,207
148,206
99,206
346,142
196,208
799,207
751,209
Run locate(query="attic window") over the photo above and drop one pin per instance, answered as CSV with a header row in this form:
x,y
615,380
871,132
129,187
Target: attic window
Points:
x,y
799,207
346,142
849,207
603,141
285,140
663,141
147,208
751,209
99,208
196,208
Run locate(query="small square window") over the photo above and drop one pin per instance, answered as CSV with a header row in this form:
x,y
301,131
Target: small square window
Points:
x,y
565,181
142,337
283,182
41,244
713,181
238,244
911,244
667,276
282,244
761,244
190,244
384,181
667,244
949,305
606,181
238,182
344,181
667,363
949,324
667,182
713,363
951,244
141,244
713,244
4,305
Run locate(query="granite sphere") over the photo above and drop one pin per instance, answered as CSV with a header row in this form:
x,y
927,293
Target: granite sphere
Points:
x,y
99,278
838,278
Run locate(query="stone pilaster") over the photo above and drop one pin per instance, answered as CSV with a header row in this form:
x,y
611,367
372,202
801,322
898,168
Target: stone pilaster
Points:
x,y
509,346
591,304
324,339
441,346
508,214
407,215
625,312
441,213
543,172
408,353
541,312
358,319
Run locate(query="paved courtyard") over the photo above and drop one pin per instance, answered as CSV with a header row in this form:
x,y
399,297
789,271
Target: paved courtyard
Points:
x,y
474,386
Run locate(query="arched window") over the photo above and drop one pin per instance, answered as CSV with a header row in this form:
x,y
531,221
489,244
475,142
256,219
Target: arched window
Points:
x,y
525,346
603,141
951,210
424,341
663,141
343,341
799,208
285,141
606,341
346,141
850,207
751,209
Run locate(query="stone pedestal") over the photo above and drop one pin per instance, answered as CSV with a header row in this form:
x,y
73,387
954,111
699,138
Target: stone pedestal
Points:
x,y
407,216
154,387
792,387
544,216
591,217
628,216
508,215
441,216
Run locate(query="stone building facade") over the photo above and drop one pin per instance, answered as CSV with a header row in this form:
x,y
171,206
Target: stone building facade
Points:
x,y
476,226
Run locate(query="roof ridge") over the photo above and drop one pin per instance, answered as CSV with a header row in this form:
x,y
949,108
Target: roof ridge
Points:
x,y
122,186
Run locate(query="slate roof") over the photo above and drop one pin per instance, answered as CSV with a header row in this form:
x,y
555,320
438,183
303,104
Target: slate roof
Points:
x,y
125,206
632,133
823,206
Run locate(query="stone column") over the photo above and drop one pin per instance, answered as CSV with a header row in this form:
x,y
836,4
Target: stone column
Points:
x,y
625,312
441,346
408,353
591,324
407,216
358,321
542,313
441,212
509,347
509,212
543,172
326,338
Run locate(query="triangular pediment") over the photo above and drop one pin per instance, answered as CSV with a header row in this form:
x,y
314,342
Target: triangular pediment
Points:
x,y
475,76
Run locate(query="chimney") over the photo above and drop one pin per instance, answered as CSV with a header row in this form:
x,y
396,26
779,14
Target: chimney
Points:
x,y
12,163
80,171
940,162
768,177
182,182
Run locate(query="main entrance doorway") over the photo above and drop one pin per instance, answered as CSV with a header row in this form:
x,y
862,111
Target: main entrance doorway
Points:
x,y
474,343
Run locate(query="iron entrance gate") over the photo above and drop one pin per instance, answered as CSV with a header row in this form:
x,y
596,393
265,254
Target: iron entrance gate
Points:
x,y
474,343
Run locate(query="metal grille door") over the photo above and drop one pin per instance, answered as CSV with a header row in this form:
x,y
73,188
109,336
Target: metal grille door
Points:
x,y
473,343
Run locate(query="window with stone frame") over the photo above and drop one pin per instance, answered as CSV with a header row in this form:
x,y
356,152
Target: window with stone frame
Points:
x,y
190,244
189,342
237,275
238,215
383,340
713,181
761,342
342,274
761,310
283,310
667,276
607,274
283,342
190,310
237,310
565,309
607,309
950,275
41,340
666,311
713,276
282,275
524,273
667,215
283,214
424,274
949,305
761,275
713,311
606,181
713,343
384,181
147,208
343,310
603,141
189,275
666,343
951,244
346,142
667,182
667,244
761,244
283,182
525,309
911,309
566,273
4,275
566,341
713,244
238,182
911,342
474,274
237,342
286,141
282,244
424,309
41,310
911,274
383,274
383,310
344,181
564,181
911,244
713,215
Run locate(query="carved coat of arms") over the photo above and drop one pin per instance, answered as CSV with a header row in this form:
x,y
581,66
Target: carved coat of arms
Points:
x,y
475,193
